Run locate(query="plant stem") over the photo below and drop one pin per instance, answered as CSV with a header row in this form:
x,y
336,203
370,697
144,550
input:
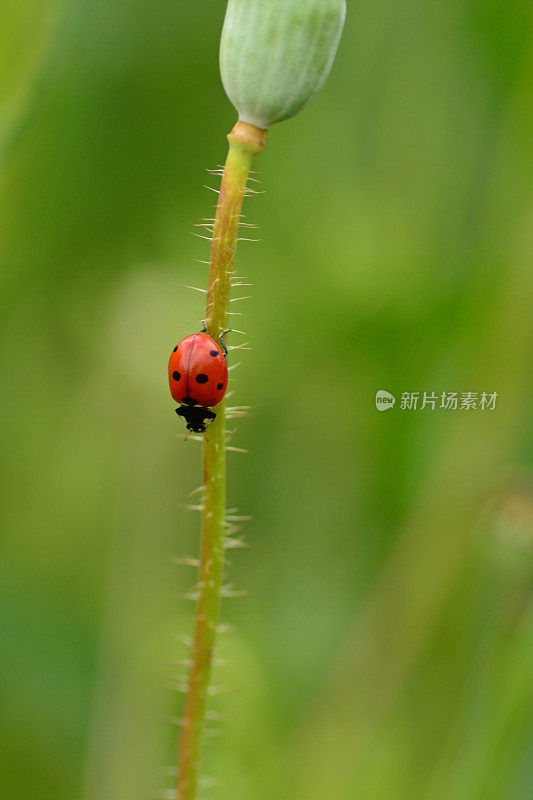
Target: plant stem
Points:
x,y
245,141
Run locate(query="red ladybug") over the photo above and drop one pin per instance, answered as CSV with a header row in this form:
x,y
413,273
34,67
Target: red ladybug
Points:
x,y
198,377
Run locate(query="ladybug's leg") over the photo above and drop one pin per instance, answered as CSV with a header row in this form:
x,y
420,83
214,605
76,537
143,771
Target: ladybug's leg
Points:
x,y
204,327
222,342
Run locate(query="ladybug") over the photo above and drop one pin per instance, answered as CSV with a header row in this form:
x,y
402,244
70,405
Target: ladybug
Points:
x,y
198,378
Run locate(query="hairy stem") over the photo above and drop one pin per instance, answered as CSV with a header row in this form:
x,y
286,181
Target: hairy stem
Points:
x,y
245,141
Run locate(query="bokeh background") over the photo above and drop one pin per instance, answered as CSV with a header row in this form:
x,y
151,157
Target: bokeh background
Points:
x,y
385,649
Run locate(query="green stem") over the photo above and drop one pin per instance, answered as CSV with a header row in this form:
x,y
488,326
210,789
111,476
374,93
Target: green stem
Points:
x,y
245,141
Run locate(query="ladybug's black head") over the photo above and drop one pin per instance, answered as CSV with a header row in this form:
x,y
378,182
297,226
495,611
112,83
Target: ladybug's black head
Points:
x,y
196,417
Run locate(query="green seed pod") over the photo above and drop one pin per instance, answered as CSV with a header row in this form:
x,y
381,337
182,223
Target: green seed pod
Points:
x,y
276,54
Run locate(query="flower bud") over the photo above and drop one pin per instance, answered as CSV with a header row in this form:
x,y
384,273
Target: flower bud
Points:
x,y
276,54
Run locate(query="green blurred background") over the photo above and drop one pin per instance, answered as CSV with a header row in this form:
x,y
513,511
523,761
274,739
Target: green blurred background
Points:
x,y
385,650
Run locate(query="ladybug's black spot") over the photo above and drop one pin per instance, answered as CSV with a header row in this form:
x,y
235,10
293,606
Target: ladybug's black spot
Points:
x,y
175,349
213,353
176,376
201,378
189,401
219,386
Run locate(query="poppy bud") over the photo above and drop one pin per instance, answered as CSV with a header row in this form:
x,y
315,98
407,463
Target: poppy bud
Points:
x,y
276,54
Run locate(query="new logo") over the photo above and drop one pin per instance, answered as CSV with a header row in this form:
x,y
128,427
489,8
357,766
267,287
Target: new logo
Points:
x,y
384,400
